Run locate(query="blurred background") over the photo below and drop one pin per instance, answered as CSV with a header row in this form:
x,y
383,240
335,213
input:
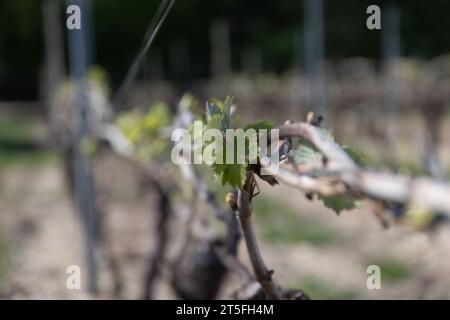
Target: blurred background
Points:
x,y
386,92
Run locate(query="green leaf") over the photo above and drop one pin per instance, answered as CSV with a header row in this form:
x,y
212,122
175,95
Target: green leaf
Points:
x,y
231,174
227,110
357,155
143,130
157,117
339,203
212,110
304,154
220,111
218,117
234,175
261,124
216,122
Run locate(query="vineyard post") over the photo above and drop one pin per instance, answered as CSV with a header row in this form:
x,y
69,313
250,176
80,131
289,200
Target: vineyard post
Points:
x,y
79,57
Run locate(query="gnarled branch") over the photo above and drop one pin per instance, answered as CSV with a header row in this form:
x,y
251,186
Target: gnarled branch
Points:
x,y
341,175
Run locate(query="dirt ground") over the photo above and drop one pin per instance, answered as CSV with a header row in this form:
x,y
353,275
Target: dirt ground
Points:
x,y
43,237
308,246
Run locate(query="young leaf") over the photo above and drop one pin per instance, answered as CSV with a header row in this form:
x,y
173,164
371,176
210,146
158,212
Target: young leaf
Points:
x,y
143,130
339,203
357,155
261,124
216,122
304,154
227,110
216,107
232,174
235,175
212,110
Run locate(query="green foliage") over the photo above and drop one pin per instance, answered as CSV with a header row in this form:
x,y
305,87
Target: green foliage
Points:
x,y
144,131
218,113
260,125
307,154
232,174
339,203
304,154
357,155
218,116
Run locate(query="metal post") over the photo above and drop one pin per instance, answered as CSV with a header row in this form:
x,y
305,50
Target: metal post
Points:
x,y
314,54
80,55
390,37
390,40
